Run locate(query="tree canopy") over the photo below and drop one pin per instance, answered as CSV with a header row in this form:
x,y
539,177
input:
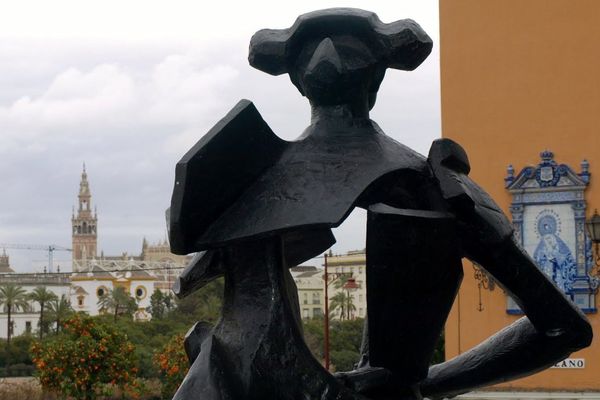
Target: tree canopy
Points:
x,y
118,302
84,355
43,297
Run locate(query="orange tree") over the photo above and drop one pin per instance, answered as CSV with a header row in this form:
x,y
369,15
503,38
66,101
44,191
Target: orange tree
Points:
x,y
173,365
86,354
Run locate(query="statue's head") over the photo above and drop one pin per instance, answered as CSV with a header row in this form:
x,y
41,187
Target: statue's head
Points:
x,y
339,55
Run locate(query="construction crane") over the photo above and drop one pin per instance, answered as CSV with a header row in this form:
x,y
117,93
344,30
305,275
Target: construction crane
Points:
x,y
50,248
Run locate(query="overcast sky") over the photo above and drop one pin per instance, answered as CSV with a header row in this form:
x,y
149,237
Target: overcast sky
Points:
x,y
128,86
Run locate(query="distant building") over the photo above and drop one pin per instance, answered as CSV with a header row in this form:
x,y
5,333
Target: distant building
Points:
x,y
169,265
104,276
311,295
84,224
26,320
346,275
4,263
93,277
349,268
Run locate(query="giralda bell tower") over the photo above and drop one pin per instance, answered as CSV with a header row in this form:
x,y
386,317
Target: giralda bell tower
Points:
x,y
85,234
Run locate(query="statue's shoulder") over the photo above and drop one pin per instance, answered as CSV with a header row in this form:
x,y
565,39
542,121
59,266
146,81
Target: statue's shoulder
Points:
x,y
243,125
217,169
450,165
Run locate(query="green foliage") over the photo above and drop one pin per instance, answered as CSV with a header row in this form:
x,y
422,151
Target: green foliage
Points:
x,y
118,302
161,304
203,305
173,364
345,338
344,360
337,305
18,352
147,336
346,335
59,310
344,341
14,298
313,336
43,297
343,302
17,370
157,304
85,355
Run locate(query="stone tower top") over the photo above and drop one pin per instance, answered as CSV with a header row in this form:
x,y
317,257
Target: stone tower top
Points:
x,y
4,263
84,223
85,196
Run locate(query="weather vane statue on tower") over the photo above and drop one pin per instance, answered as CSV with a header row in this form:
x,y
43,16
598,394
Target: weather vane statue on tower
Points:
x,y
252,205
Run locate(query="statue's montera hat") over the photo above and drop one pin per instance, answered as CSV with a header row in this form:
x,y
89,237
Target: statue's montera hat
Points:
x,y
401,44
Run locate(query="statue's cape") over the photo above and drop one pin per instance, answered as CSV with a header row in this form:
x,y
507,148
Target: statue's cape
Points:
x,y
241,181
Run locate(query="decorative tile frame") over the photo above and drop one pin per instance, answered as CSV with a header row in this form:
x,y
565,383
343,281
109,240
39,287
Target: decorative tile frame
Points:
x,y
549,189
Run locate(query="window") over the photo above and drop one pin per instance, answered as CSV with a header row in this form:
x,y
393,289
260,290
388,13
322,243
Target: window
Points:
x,y
317,312
305,313
27,326
316,298
80,301
140,292
101,291
305,298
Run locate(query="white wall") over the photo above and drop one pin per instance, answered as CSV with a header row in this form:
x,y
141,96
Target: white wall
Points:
x,y
32,315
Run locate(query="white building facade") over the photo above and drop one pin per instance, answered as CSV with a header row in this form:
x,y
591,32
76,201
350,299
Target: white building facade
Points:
x,y
26,320
102,277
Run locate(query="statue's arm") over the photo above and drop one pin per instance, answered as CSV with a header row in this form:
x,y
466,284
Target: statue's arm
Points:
x,y
554,326
553,329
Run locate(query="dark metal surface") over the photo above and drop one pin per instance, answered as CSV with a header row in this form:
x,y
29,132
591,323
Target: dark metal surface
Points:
x,y
330,166
256,350
413,273
258,205
206,266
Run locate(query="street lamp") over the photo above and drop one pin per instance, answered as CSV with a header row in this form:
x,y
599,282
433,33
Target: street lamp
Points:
x,y
593,228
326,319
484,281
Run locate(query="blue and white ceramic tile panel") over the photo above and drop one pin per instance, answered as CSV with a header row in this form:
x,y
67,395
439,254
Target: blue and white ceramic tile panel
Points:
x,y
548,212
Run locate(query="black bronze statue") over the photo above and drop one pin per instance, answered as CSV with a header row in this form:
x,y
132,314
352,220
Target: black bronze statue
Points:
x,y
253,205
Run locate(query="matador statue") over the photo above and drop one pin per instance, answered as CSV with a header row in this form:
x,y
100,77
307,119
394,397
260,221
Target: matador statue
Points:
x,y
252,205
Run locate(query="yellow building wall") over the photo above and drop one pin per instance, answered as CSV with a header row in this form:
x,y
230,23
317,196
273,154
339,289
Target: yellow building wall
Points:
x,y
519,77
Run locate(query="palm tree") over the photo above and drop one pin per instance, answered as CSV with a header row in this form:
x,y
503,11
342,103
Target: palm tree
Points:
x,y
118,301
350,307
341,280
343,300
12,297
59,310
42,296
339,301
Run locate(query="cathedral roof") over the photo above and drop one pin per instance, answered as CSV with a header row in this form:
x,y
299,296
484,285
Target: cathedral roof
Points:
x,y
113,270
4,263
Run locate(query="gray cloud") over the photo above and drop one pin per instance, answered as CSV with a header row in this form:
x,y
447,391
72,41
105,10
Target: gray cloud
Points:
x,y
130,110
